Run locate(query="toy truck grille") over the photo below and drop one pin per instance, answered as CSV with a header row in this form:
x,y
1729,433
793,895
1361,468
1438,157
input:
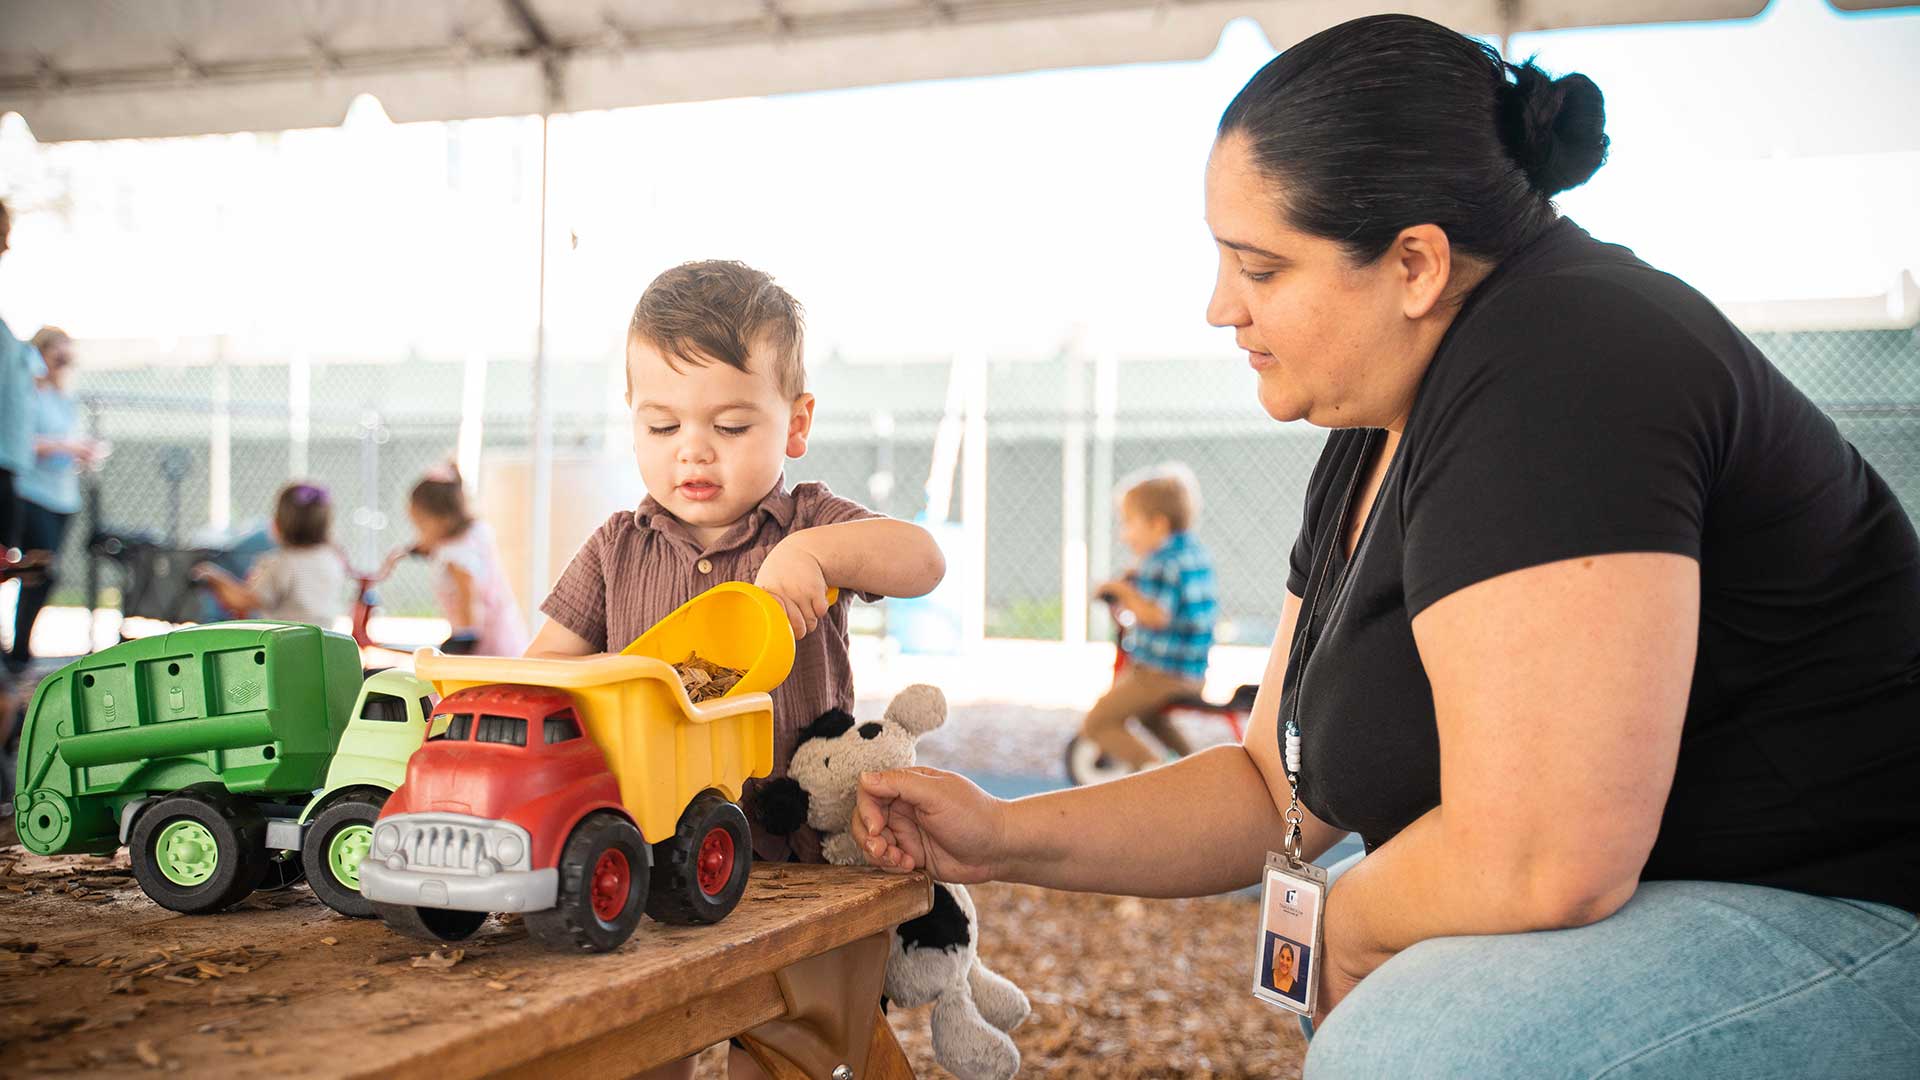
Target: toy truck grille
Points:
x,y
452,844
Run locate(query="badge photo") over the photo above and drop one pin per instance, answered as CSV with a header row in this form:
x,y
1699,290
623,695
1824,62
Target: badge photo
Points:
x,y
1289,938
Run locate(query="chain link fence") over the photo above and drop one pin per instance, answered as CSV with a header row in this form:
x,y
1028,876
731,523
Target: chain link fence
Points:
x,y
1059,428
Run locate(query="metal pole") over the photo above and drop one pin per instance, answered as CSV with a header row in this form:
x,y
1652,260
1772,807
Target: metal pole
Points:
x,y
370,518
973,499
540,483
90,483
220,452
1073,503
1106,406
300,412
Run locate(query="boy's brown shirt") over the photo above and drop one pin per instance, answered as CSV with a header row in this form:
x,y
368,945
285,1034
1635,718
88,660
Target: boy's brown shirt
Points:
x,y
642,564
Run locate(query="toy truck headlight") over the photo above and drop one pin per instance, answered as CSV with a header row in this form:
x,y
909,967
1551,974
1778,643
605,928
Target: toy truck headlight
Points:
x,y
508,847
385,839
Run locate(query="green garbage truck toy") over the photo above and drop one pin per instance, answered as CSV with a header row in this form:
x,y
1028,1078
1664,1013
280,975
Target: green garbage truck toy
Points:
x,y
227,758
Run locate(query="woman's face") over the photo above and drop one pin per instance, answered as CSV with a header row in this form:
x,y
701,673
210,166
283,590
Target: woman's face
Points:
x,y
1331,342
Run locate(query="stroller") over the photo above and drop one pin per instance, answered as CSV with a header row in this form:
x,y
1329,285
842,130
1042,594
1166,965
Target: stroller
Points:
x,y
156,578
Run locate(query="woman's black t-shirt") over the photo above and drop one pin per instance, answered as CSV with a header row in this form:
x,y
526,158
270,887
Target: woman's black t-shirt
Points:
x,y
1584,403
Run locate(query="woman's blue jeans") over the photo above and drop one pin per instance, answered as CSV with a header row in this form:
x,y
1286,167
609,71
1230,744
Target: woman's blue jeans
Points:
x,y
1690,979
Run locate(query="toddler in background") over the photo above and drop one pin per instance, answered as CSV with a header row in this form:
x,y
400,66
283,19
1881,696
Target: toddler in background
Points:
x,y
1170,593
303,580
468,581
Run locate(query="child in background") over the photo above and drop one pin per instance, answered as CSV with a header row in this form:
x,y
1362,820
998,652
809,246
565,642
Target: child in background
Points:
x,y
1171,595
303,580
468,581
717,389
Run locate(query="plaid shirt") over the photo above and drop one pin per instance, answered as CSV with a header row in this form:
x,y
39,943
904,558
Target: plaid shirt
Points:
x,y
1178,578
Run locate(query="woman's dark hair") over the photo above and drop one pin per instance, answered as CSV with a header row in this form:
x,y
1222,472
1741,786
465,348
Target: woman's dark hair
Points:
x,y
1391,121
440,494
303,514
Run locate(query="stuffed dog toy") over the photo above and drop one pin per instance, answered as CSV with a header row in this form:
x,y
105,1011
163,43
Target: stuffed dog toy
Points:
x,y
934,957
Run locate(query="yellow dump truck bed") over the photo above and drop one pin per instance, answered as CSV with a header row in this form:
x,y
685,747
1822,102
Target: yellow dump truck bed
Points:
x,y
663,748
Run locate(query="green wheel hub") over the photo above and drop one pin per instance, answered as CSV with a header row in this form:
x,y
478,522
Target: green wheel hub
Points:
x,y
345,851
187,853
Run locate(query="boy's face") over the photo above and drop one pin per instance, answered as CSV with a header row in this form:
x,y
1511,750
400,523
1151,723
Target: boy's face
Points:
x,y
710,439
1142,533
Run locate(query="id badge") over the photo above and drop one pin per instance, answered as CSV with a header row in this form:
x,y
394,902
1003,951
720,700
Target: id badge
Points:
x,y
1292,897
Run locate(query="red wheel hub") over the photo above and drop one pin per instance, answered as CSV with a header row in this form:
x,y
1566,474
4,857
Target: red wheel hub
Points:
x,y
612,881
714,867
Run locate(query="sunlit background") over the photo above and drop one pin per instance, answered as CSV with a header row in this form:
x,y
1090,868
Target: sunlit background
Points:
x,y
356,303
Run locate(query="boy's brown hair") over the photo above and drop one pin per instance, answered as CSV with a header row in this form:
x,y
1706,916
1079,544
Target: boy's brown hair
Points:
x,y
1168,491
303,514
718,309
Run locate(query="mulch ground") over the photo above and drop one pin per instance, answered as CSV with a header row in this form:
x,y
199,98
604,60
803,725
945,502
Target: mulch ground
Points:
x,y
1121,988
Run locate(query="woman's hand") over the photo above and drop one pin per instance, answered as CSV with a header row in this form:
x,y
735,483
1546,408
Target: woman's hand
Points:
x,y
795,578
907,819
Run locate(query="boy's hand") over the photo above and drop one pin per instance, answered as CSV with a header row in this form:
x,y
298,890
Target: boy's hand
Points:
x,y
795,578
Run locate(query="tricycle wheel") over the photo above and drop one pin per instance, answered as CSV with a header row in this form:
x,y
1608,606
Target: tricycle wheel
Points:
x,y
1088,764
603,888
430,923
700,871
199,850
335,843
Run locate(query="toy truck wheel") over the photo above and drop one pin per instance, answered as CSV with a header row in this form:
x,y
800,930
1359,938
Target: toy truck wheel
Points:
x,y
430,924
199,850
336,841
700,871
603,888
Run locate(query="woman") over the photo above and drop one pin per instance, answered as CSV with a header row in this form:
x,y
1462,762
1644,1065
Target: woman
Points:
x,y
49,489
1613,653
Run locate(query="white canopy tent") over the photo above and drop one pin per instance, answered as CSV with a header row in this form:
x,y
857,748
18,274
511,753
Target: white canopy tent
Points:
x,y
108,69
104,69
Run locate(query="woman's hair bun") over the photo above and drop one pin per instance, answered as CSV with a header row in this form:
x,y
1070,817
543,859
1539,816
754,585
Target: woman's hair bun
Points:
x,y
1554,128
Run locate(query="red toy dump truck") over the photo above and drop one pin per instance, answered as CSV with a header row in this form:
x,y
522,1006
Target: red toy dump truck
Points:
x,y
582,793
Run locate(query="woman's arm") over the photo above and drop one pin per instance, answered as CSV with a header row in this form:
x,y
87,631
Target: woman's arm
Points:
x,y
1200,826
1559,692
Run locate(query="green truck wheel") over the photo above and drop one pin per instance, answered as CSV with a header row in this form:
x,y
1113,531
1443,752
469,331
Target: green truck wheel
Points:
x,y
199,850
338,839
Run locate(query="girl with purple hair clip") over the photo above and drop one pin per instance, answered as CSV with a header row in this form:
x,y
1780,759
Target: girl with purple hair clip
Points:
x,y
303,580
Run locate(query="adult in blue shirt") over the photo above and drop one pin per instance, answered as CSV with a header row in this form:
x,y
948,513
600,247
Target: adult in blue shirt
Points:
x,y
19,366
49,490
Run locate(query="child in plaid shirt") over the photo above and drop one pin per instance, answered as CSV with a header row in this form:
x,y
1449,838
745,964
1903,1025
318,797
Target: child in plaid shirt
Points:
x,y
1171,596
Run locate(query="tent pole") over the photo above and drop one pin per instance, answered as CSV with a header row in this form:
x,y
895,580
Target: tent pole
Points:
x,y
541,479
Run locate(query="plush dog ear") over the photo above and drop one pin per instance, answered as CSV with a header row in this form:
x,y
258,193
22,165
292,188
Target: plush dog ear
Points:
x,y
919,709
780,806
828,725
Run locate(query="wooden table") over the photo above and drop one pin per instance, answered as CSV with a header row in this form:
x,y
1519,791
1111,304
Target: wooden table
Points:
x,y
94,978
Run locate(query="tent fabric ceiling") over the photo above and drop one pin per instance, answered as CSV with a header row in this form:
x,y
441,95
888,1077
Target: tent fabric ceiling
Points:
x,y
96,69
